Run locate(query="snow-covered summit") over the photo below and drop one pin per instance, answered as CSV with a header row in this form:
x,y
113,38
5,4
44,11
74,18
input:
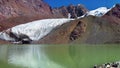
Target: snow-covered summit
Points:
x,y
98,12
35,30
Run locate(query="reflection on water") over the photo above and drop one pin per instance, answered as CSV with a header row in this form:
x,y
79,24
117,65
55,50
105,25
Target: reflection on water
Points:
x,y
29,56
59,56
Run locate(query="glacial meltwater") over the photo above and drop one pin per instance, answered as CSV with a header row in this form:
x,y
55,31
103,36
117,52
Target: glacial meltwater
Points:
x,y
57,56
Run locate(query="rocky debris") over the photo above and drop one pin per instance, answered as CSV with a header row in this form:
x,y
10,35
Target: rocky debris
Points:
x,y
108,65
75,11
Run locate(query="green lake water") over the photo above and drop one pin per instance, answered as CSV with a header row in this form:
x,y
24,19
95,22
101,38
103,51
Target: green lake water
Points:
x,y
57,56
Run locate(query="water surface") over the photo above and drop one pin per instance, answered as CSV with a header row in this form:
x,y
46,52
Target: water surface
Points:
x,y
57,56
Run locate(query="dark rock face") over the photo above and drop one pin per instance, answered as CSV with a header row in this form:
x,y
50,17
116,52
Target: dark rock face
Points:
x,y
75,11
78,31
80,10
22,38
71,10
19,39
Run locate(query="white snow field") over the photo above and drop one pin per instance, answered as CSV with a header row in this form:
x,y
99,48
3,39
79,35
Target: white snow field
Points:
x,y
99,11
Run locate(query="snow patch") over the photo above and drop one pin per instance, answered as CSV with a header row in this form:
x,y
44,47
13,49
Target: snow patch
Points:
x,y
98,12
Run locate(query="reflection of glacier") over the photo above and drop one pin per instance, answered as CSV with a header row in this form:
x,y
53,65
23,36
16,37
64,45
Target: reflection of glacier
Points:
x,y
30,57
3,52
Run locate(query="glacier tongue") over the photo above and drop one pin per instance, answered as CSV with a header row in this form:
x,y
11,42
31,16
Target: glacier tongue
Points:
x,y
37,29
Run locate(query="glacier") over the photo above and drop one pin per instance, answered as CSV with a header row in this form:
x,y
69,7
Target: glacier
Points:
x,y
35,30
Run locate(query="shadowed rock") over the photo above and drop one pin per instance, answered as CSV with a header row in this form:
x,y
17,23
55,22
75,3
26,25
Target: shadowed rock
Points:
x,y
21,38
75,11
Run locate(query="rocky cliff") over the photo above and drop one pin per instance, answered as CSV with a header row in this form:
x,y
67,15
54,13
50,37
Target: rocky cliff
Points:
x,y
74,10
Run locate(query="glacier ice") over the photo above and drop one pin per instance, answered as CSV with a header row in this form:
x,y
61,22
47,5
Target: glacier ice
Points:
x,y
35,30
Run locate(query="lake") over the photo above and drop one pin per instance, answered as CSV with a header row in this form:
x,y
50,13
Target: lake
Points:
x,y
57,56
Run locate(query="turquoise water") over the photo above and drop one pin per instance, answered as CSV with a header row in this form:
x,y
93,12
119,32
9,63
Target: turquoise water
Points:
x,y
57,56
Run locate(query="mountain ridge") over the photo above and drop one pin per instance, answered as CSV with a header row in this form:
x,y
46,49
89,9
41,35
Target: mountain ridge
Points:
x,y
15,12
86,29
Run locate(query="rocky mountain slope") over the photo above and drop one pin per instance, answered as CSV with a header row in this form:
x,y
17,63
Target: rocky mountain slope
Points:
x,y
89,29
15,12
114,14
16,8
94,27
